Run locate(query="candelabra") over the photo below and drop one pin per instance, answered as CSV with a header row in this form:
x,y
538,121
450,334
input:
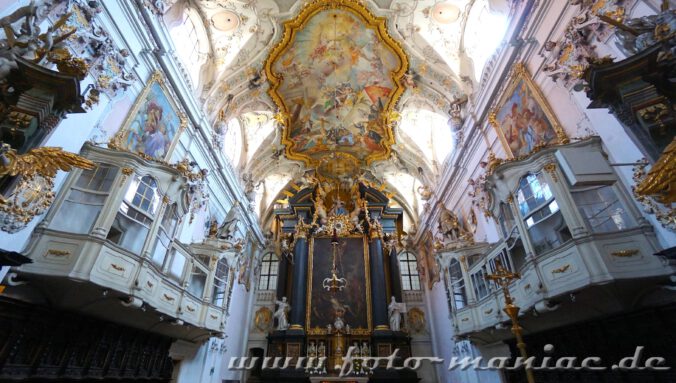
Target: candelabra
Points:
x,y
334,283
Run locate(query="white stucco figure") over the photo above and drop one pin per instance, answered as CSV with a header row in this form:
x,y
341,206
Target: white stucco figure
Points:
x,y
281,314
395,310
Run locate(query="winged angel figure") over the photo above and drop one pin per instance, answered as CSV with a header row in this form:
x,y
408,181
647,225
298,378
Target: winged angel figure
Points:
x,y
45,161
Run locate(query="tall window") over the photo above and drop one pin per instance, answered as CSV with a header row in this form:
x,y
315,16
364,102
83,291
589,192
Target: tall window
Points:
x,y
481,286
198,280
541,213
269,270
85,200
187,43
165,234
137,212
409,272
220,283
457,285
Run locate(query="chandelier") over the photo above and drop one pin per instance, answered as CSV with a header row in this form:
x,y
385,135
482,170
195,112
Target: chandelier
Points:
x,y
334,283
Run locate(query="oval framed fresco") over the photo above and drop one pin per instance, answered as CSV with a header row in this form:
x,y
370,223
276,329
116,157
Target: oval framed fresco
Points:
x,y
342,79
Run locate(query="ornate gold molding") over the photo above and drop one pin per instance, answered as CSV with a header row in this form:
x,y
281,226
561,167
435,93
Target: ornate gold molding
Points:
x,y
625,253
291,28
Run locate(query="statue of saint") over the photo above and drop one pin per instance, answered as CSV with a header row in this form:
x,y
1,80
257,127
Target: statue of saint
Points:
x,y
395,310
281,314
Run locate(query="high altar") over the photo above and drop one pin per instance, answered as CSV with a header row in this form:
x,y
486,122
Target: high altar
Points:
x,y
339,273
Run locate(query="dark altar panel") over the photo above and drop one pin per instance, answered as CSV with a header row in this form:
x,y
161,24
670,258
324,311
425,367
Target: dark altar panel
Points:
x,y
352,263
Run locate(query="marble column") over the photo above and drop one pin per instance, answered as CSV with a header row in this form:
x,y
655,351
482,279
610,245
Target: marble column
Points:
x,y
378,288
299,282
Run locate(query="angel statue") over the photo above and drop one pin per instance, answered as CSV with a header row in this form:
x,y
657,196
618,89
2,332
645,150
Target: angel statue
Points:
x,y
395,310
281,314
45,161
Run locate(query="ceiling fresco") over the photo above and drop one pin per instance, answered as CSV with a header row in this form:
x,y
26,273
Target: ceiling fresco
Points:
x,y
297,95
336,77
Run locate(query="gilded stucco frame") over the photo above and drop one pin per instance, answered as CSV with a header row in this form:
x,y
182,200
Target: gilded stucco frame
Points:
x,y
519,73
291,28
308,305
156,78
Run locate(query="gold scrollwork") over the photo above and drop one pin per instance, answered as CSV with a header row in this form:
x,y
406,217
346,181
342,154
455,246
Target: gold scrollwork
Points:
x,y
168,298
57,253
117,267
561,269
625,253
551,169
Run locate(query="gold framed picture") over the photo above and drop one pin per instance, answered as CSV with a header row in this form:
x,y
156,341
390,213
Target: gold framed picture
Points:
x,y
523,119
154,123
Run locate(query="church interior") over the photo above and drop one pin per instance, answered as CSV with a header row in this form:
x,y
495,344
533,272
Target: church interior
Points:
x,y
435,191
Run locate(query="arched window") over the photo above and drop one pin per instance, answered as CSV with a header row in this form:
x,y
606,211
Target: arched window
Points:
x,y
457,284
137,213
220,283
191,42
410,279
485,29
541,214
232,141
269,270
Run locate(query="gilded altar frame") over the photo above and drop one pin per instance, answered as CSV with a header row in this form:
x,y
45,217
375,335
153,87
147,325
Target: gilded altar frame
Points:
x,y
120,139
308,305
291,27
518,75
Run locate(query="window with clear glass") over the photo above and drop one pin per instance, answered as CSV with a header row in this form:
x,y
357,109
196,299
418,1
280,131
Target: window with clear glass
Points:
x,y
220,283
165,234
269,271
137,211
506,220
198,281
602,209
503,259
176,265
481,286
186,39
410,280
457,285
86,198
541,214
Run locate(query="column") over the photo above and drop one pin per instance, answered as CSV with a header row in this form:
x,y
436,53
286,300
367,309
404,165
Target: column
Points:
x,y
395,275
281,277
378,289
299,286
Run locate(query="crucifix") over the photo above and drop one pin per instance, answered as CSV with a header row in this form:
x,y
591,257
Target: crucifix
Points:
x,y
503,278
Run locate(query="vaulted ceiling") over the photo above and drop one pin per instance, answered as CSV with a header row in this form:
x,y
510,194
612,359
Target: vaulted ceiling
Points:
x,y
332,79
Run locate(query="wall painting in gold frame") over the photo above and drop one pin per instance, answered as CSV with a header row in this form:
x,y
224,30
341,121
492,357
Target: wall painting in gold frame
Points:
x,y
522,117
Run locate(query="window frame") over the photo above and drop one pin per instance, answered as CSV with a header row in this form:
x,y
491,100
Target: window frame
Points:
x,y
267,275
459,282
409,274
